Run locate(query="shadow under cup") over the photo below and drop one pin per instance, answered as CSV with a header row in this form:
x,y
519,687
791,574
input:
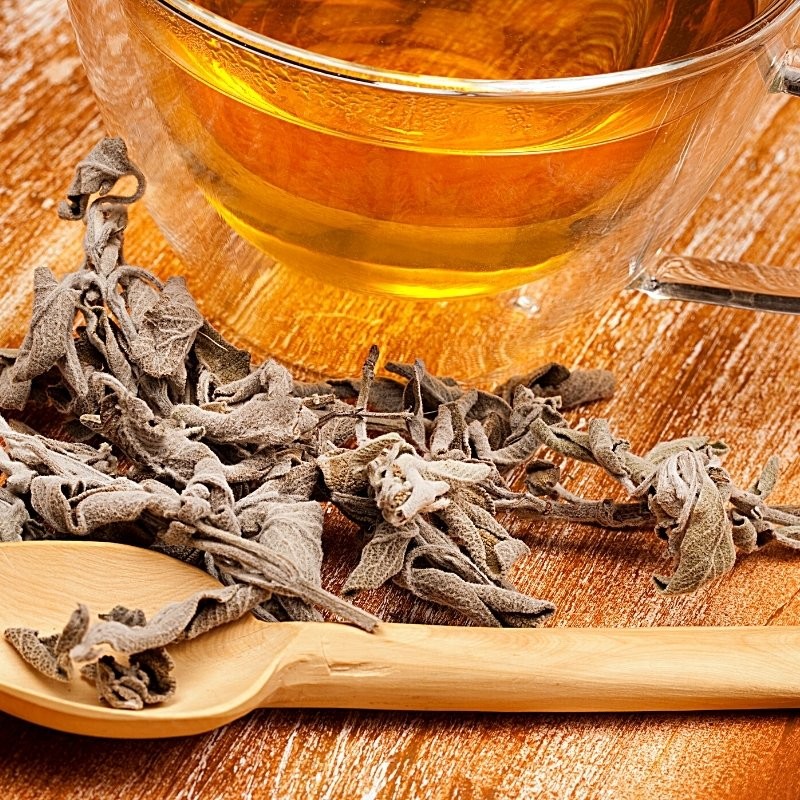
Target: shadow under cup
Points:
x,y
468,229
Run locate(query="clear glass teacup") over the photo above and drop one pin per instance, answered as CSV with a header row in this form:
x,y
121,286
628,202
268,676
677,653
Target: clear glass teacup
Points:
x,y
464,221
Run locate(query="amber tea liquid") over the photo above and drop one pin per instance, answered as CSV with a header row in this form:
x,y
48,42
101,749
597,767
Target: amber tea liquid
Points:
x,y
433,196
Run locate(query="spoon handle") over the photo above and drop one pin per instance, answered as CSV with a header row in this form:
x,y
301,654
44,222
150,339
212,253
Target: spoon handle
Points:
x,y
418,667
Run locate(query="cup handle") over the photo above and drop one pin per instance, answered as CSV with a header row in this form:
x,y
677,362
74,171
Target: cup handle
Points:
x,y
722,283
730,283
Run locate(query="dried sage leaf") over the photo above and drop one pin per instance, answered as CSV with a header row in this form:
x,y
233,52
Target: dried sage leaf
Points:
x,y
145,680
13,516
382,557
260,420
50,655
294,530
186,619
478,600
576,388
219,357
166,332
49,339
98,172
691,510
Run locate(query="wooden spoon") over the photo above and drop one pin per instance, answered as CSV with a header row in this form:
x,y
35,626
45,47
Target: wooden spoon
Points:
x,y
250,664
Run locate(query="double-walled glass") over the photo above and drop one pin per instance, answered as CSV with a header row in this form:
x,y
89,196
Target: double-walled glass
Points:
x,y
401,205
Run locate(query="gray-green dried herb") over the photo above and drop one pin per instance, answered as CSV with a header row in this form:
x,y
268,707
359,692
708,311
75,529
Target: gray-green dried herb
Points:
x,y
145,680
181,444
51,655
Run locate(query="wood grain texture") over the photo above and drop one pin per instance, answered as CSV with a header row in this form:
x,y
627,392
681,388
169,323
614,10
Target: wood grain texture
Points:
x,y
682,369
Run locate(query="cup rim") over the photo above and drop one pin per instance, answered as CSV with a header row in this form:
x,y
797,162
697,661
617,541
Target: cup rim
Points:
x,y
754,32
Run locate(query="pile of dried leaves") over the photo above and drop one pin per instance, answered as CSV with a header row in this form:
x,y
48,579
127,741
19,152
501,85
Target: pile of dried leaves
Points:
x,y
180,444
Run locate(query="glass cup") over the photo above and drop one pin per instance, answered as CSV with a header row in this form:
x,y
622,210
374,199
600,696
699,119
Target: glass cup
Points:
x,y
467,222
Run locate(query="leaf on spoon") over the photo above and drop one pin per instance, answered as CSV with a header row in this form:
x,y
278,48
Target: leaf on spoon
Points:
x,y
186,619
50,655
144,681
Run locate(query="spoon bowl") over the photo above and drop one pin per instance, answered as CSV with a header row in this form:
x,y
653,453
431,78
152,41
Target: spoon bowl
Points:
x,y
44,581
249,664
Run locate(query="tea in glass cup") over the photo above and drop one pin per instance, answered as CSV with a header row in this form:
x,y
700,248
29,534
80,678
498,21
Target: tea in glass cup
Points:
x,y
517,163
434,199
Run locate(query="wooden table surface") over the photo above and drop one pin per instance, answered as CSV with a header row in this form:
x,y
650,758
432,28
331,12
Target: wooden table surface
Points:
x,y
682,369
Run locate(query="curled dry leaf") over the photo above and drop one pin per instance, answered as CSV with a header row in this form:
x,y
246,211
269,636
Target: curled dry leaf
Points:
x,y
98,173
13,516
166,332
50,655
145,680
294,530
261,420
197,614
574,388
382,557
690,509
402,489
435,569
